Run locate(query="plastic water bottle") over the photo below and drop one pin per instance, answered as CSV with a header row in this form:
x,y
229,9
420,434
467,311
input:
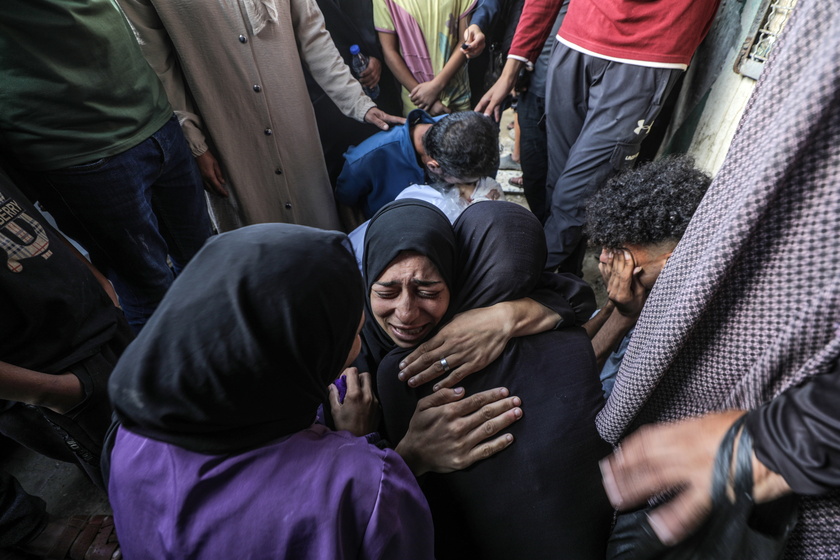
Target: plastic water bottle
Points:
x,y
359,63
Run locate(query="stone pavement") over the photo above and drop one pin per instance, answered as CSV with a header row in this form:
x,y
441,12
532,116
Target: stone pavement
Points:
x,y
63,486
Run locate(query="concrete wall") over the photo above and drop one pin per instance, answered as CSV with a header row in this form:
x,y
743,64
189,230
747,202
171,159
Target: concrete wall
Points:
x,y
714,96
726,102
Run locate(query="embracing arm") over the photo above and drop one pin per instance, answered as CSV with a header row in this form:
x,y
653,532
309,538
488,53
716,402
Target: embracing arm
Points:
x,y
57,392
568,295
473,339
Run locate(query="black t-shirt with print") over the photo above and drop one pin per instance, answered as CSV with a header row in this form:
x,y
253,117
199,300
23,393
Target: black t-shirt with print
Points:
x,y
54,312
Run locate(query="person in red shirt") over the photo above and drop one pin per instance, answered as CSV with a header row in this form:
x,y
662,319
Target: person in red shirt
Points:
x,y
614,64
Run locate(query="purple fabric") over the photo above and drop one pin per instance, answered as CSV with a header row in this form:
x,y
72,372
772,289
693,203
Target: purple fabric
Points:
x,y
341,385
315,494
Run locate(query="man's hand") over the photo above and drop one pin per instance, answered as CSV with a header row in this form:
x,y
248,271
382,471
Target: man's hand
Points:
x,y
621,277
425,94
370,77
491,103
474,41
381,119
211,173
359,412
469,342
680,456
448,434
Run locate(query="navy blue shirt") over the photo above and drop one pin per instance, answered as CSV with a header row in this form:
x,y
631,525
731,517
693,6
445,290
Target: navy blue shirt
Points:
x,y
378,169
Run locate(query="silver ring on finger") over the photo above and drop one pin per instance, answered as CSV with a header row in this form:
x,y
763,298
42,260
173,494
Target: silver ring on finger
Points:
x,y
445,365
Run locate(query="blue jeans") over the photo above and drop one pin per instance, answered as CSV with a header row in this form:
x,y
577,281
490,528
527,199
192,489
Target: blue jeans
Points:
x,y
130,212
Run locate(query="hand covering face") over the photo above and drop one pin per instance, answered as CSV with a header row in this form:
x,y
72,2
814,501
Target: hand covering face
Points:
x,y
403,225
243,346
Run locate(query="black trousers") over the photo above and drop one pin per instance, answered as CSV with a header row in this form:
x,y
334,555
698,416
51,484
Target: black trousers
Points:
x,y
598,112
533,150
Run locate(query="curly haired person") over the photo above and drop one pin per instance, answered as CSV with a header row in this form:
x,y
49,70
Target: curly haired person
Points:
x,y
637,218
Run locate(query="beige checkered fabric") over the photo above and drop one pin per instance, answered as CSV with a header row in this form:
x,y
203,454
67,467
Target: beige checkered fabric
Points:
x,y
749,303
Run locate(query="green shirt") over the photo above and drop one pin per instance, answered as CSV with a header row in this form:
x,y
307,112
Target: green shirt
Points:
x,y
74,86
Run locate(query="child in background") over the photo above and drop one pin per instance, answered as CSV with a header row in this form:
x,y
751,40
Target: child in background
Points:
x,y
421,42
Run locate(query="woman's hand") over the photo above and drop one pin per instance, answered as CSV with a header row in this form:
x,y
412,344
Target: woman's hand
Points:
x,y
370,77
211,173
468,343
359,413
474,41
425,94
381,119
448,434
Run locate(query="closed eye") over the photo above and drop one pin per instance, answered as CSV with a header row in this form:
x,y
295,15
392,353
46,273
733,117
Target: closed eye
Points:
x,y
428,295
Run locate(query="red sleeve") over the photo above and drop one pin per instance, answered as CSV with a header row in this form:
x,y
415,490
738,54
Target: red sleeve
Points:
x,y
534,27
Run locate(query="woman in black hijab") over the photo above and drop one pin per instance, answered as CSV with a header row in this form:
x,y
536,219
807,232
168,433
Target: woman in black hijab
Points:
x,y
216,456
409,267
406,225
542,497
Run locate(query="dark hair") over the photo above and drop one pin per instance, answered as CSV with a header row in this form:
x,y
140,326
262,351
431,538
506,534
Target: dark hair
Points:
x,y
647,205
465,144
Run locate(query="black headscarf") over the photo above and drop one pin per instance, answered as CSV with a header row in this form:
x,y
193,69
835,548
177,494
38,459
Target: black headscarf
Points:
x,y
502,252
243,346
403,225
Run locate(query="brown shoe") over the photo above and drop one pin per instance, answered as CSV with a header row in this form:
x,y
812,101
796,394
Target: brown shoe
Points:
x,y
76,538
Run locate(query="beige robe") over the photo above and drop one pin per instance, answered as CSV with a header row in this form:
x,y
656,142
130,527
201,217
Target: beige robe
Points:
x,y
232,71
